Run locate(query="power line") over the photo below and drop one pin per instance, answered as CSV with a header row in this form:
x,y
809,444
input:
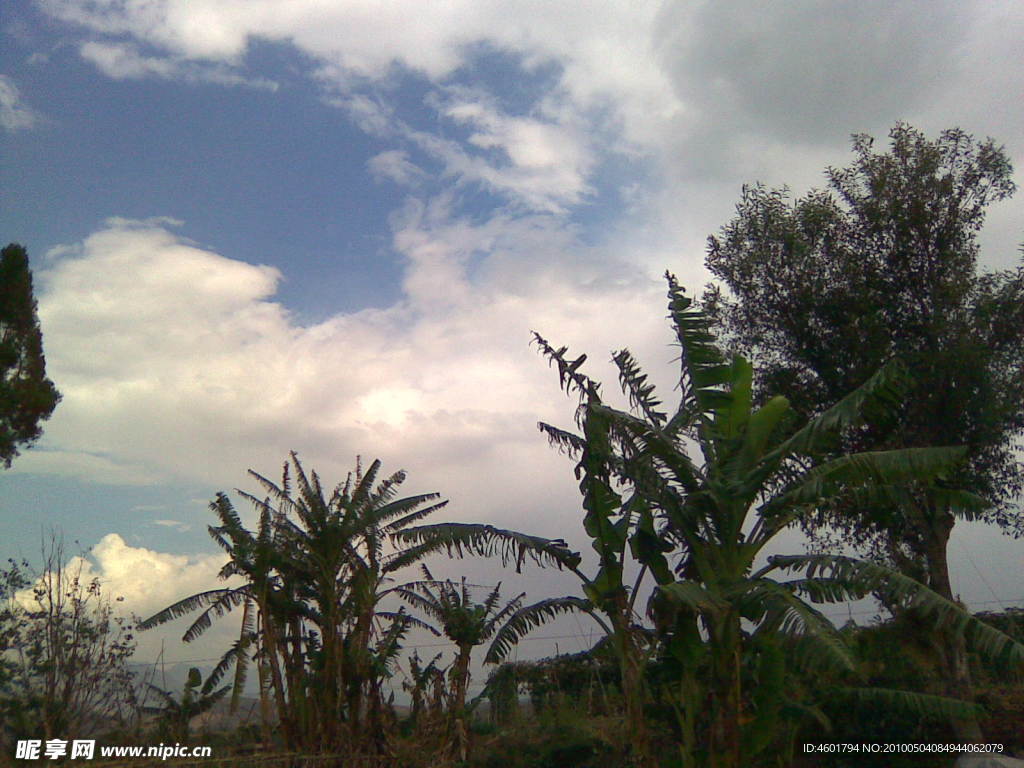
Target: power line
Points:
x,y
589,636
1001,603
975,567
410,647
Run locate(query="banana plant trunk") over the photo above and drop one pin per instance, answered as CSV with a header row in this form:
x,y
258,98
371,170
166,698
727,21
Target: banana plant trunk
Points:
x,y
327,704
265,708
632,673
298,700
459,734
726,697
276,679
358,674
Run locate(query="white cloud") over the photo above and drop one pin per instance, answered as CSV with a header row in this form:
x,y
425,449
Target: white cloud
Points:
x,y
366,39
537,163
712,95
661,69
369,114
540,163
149,580
177,525
125,62
395,166
15,114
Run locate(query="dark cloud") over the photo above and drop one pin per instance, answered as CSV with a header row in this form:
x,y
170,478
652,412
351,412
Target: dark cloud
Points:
x,y
807,71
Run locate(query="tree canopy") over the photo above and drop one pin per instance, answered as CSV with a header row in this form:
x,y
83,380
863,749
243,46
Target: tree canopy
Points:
x,y
27,397
883,263
823,289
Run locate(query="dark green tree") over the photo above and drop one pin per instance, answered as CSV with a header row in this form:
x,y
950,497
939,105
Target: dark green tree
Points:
x,y
27,397
823,289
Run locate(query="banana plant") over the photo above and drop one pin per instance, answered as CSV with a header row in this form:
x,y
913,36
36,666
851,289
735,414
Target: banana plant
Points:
x,y
423,680
469,624
617,529
313,576
333,549
714,512
197,697
261,593
465,622
606,599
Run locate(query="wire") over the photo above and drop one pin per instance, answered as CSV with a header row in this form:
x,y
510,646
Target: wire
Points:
x,y
975,567
588,636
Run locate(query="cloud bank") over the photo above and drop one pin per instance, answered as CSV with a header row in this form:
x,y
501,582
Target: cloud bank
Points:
x,y
176,362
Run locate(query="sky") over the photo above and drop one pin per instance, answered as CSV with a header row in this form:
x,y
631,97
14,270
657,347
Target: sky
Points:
x,y
259,226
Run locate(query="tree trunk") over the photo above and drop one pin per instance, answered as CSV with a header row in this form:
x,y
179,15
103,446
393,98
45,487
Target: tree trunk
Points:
x,y
951,646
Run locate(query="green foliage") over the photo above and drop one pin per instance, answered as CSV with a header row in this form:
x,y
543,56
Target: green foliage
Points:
x,y
587,681
463,621
524,619
312,577
427,690
822,290
835,578
459,539
27,397
13,580
561,737
1004,721
757,473
825,288
468,624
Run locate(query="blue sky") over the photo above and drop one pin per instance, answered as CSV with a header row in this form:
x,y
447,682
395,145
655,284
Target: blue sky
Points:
x,y
283,225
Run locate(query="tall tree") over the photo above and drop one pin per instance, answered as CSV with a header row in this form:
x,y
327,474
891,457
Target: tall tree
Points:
x,y
823,289
27,397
